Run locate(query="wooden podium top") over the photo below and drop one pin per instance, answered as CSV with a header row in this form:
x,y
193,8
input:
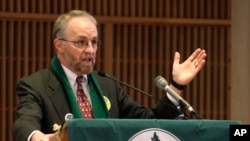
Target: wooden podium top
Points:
x,y
62,134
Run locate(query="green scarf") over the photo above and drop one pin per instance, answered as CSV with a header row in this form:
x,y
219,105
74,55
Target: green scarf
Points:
x,y
98,105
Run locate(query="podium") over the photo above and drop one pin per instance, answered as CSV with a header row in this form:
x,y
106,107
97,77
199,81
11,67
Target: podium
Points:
x,y
146,130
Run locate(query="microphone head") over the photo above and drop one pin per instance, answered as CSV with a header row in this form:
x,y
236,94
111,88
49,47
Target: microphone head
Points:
x,y
101,73
160,82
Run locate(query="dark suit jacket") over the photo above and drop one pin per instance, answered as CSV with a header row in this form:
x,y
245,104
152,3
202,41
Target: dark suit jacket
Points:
x,y
43,102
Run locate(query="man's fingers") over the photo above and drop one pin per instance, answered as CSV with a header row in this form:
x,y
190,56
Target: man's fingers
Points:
x,y
177,58
194,55
198,58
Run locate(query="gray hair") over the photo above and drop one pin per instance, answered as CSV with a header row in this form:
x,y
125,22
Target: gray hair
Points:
x,y
61,23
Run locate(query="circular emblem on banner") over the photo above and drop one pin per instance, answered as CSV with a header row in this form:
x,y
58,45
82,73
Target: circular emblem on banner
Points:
x,y
107,102
154,134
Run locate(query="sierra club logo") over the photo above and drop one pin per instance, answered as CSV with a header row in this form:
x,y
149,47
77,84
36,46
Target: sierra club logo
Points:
x,y
154,134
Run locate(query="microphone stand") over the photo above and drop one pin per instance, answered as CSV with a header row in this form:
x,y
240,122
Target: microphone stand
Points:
x,y
182,113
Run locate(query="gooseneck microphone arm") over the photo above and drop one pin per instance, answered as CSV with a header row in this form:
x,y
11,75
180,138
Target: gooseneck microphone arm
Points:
x,y
103,74
163,84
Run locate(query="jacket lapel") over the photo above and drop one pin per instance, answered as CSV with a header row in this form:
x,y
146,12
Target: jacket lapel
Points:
x,y
58,98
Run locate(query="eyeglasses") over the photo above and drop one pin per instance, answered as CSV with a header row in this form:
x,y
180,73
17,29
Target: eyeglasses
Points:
x,y
84,43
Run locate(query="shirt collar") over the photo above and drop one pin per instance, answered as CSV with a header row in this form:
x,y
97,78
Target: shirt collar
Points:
x,y
72,76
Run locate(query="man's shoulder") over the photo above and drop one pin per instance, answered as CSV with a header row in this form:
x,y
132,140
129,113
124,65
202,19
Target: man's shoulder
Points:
x,y
38,75
101,77
104,81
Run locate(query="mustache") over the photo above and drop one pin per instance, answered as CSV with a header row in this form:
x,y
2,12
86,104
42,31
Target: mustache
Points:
x,y
89,56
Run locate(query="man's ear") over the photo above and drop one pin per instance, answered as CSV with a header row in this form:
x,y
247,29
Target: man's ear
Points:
x,y
58,45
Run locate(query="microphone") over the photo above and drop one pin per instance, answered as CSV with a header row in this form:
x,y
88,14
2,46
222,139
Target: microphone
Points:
x,y
163,84
103,74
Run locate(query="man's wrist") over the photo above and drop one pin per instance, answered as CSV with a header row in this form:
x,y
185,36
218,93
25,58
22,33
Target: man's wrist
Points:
x,y
31,134
178,86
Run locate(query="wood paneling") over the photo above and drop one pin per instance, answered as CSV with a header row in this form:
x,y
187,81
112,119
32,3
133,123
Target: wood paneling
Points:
x,y
139,38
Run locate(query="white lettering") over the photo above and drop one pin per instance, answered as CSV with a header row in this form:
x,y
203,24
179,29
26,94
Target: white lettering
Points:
x,y
243,131
237,132
240,132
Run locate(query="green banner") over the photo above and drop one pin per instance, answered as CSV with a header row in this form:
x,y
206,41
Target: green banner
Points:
x,y
148,130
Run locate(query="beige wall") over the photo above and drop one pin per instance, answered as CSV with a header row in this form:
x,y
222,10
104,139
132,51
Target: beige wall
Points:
x,y
240,99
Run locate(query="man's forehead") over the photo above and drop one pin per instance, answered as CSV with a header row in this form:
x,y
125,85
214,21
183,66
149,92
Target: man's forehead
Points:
x,y
80,25
82,20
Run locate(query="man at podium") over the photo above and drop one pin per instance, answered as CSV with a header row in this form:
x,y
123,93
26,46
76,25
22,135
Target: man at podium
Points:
x,y
70,88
